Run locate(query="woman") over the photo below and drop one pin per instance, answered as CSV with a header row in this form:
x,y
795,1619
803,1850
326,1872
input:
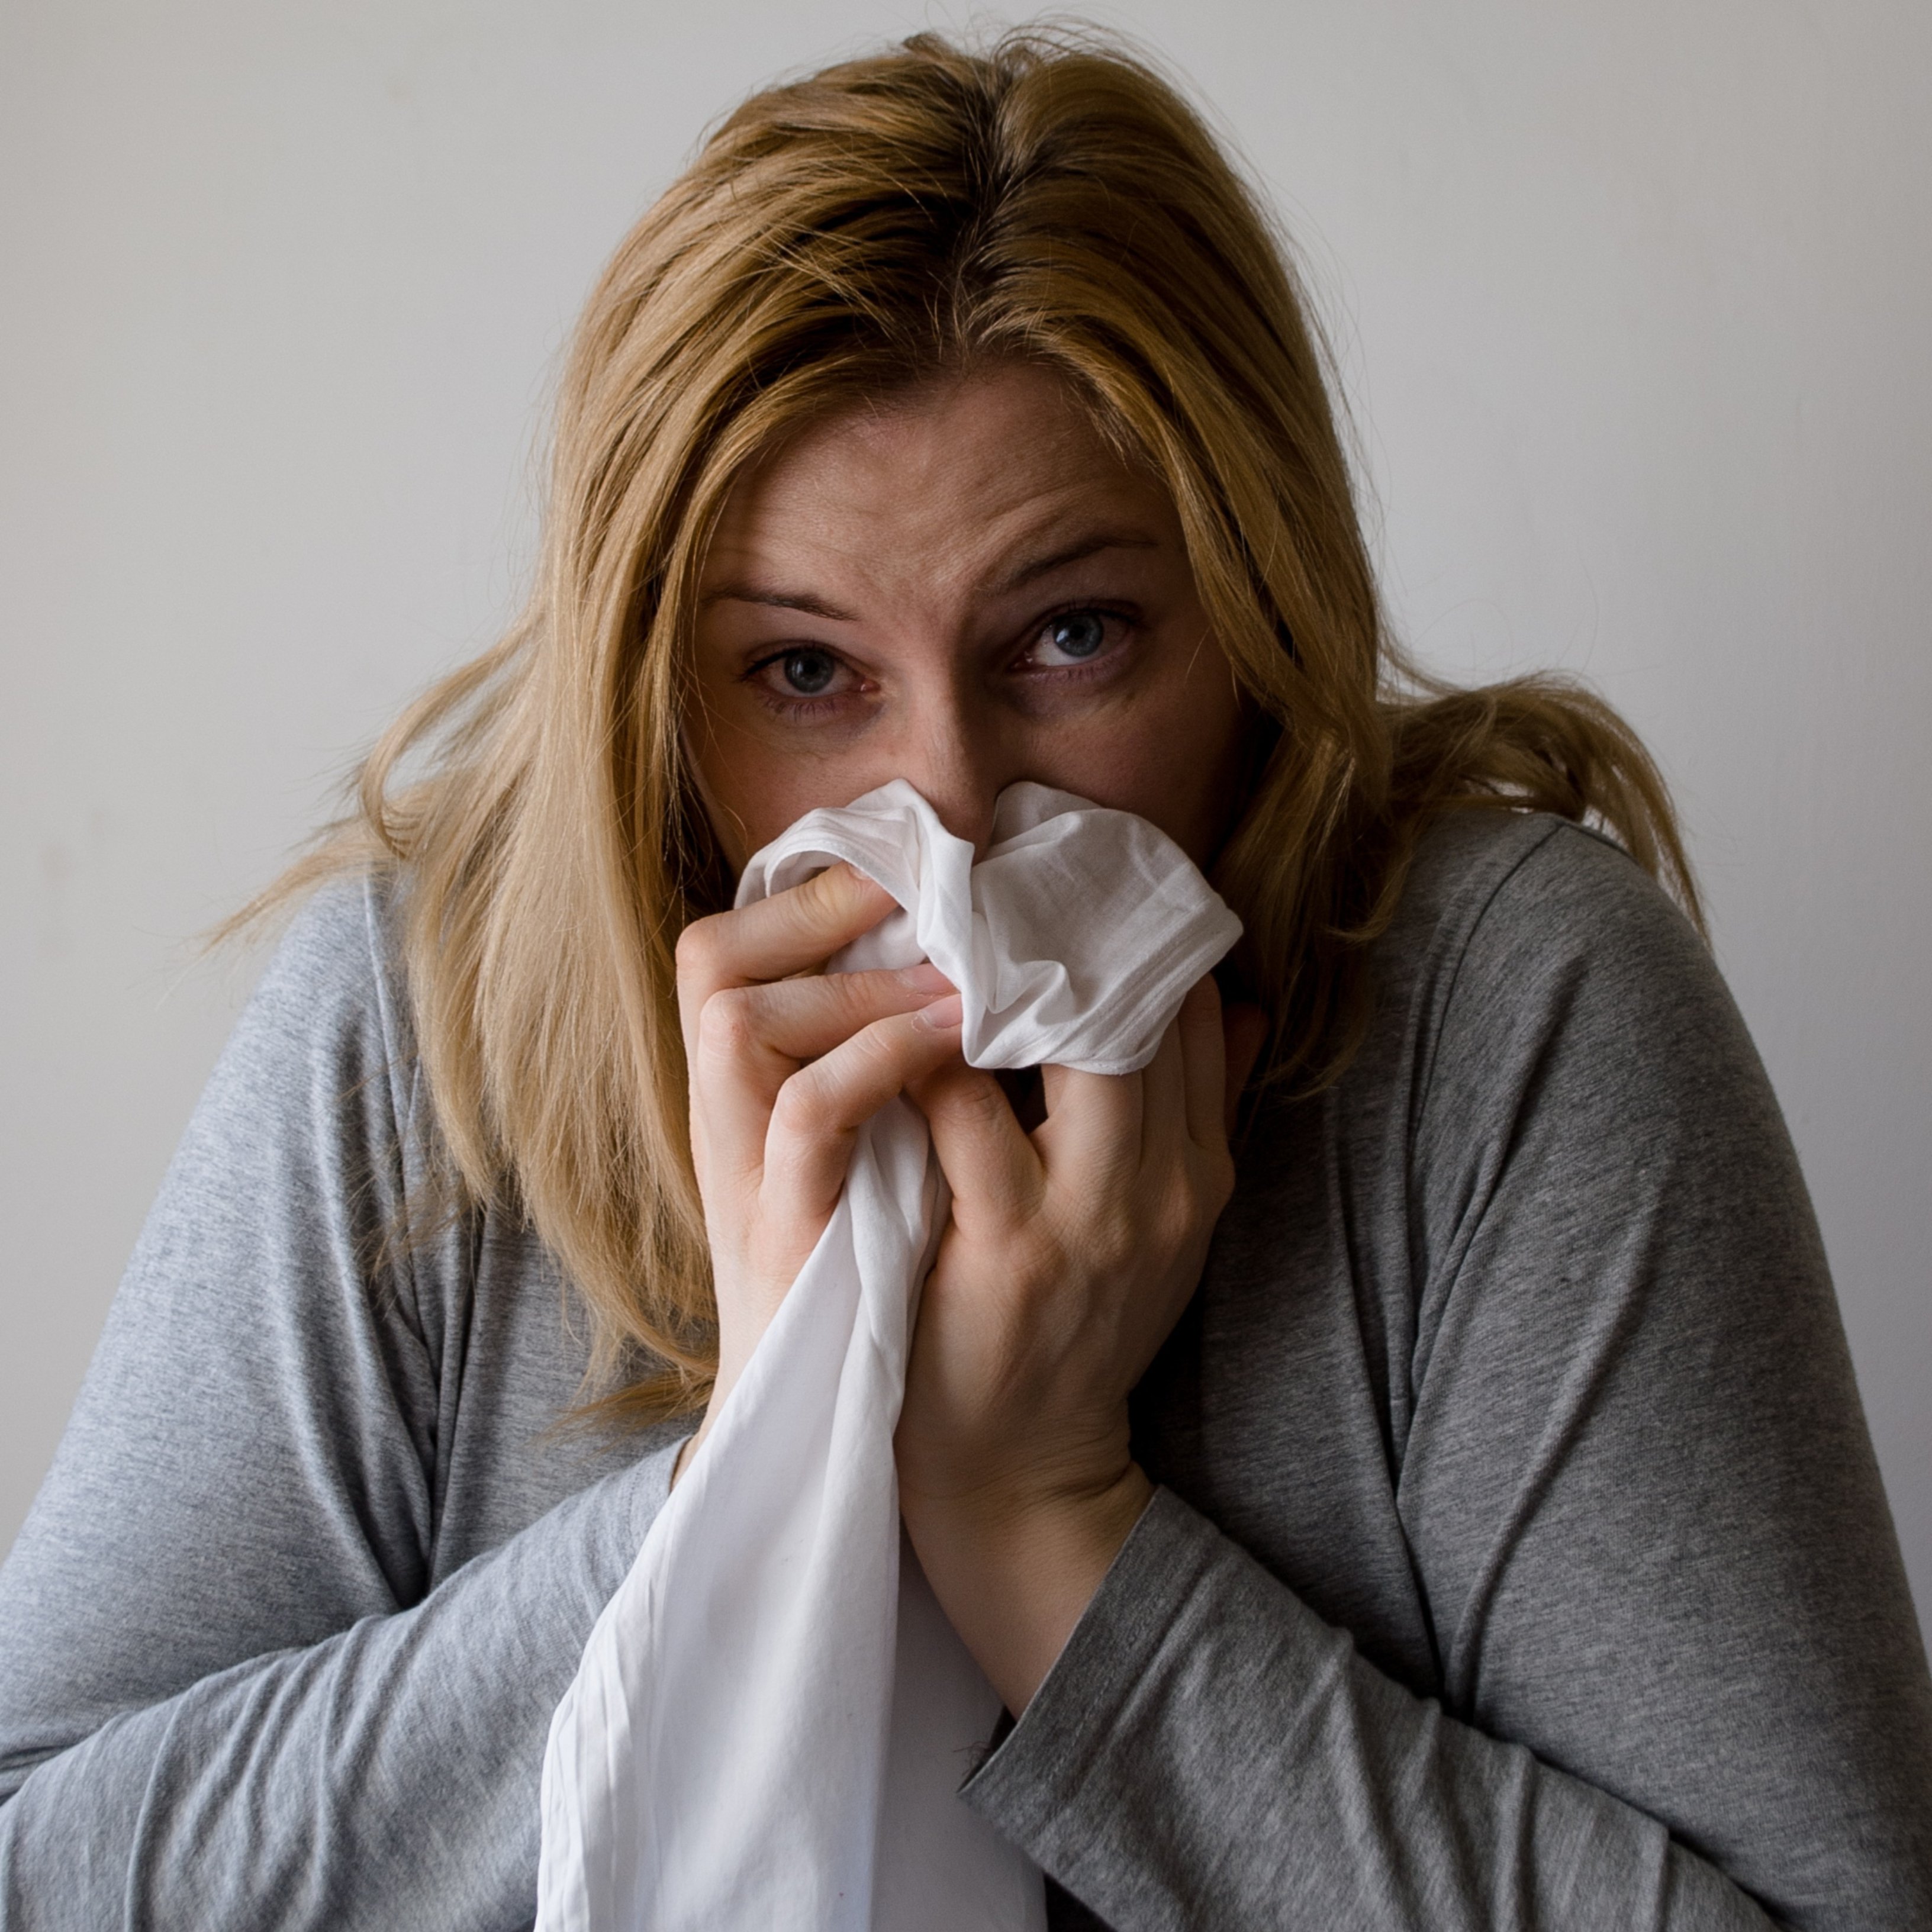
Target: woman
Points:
x,y
1450,1508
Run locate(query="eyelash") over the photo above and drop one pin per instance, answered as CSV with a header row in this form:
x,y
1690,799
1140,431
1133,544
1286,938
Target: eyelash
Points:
x,y
803,710
800,710
794,709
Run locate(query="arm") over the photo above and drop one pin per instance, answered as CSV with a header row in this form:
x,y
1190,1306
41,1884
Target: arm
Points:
x,y
387,1775
237,1688
1682,1682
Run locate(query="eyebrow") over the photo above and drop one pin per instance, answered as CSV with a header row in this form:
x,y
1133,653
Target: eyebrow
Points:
x,y
1074,552
1017,579
778,600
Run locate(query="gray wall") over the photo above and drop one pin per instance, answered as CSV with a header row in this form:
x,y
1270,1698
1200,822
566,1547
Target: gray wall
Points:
x,y
1635,301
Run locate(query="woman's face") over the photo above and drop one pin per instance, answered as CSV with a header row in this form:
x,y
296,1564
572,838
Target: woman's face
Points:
x,y
961,589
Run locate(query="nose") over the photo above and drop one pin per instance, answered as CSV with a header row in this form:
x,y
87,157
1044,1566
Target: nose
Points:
x,y
958,761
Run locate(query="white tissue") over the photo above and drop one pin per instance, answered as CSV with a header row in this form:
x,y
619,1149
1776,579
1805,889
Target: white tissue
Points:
x,y
773,1715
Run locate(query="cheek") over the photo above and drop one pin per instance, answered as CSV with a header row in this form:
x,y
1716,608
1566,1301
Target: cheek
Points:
x,y
740,781
750,794
1204,755
1174,758
753,784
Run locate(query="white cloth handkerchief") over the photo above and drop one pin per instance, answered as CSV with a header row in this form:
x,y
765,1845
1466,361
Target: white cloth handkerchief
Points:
x,y
772,1715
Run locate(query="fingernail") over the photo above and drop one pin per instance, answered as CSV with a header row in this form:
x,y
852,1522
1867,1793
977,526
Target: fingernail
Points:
x,y
925,978
942,1014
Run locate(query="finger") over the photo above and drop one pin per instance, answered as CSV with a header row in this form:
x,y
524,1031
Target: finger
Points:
x,y
803,1018
751,1040
989,1162
1204,1054
820,1110
1164,1115
1092,1132
1052,1084
790,932
1245,1030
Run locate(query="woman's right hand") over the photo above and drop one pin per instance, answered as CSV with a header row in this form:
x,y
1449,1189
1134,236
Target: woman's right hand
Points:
x,y
786,1064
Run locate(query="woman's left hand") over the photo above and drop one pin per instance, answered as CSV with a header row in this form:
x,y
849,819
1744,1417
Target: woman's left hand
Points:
x,y
1070,1254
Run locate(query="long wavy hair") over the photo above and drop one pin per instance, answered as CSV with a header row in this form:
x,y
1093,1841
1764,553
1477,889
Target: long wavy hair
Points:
x,y
931,209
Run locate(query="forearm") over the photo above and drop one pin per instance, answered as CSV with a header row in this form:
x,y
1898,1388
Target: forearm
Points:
x,y
387,1776
1206,1751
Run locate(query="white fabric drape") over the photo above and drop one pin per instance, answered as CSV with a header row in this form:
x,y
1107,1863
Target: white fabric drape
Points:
x,y
773,1715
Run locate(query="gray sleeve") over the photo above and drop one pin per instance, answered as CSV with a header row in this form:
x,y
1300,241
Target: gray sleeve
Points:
x,y
235,1689
1681,1682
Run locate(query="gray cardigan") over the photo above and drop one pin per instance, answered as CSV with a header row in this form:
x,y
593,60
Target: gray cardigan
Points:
x,y
1519,1559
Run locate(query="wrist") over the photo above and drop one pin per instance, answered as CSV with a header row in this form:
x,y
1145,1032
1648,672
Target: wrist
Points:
x,y
1033,1510
1015,1569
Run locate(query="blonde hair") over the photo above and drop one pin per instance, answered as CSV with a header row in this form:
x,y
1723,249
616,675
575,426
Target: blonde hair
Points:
x,y
921,212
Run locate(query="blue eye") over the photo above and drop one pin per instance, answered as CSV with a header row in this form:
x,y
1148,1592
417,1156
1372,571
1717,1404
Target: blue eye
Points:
x,y
1077,634
808,672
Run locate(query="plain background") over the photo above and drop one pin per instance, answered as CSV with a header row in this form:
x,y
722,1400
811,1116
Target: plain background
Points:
x,y
1634,303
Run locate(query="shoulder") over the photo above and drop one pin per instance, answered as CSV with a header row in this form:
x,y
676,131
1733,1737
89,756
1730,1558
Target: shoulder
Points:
x,y
1528,882
1520,931
339,956
1560,1074
329,1018
1553,1048
312,1128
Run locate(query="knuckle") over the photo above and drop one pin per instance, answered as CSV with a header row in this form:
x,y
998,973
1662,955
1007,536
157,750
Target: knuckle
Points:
x,y
827,898
696,950
889,1042
799,1108
1182,1231
865,1052
828,887
727,1024
1174,1217
978,1097
879,1063
855,997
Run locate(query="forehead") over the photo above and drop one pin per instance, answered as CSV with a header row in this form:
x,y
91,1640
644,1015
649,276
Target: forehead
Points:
x,y
949,480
